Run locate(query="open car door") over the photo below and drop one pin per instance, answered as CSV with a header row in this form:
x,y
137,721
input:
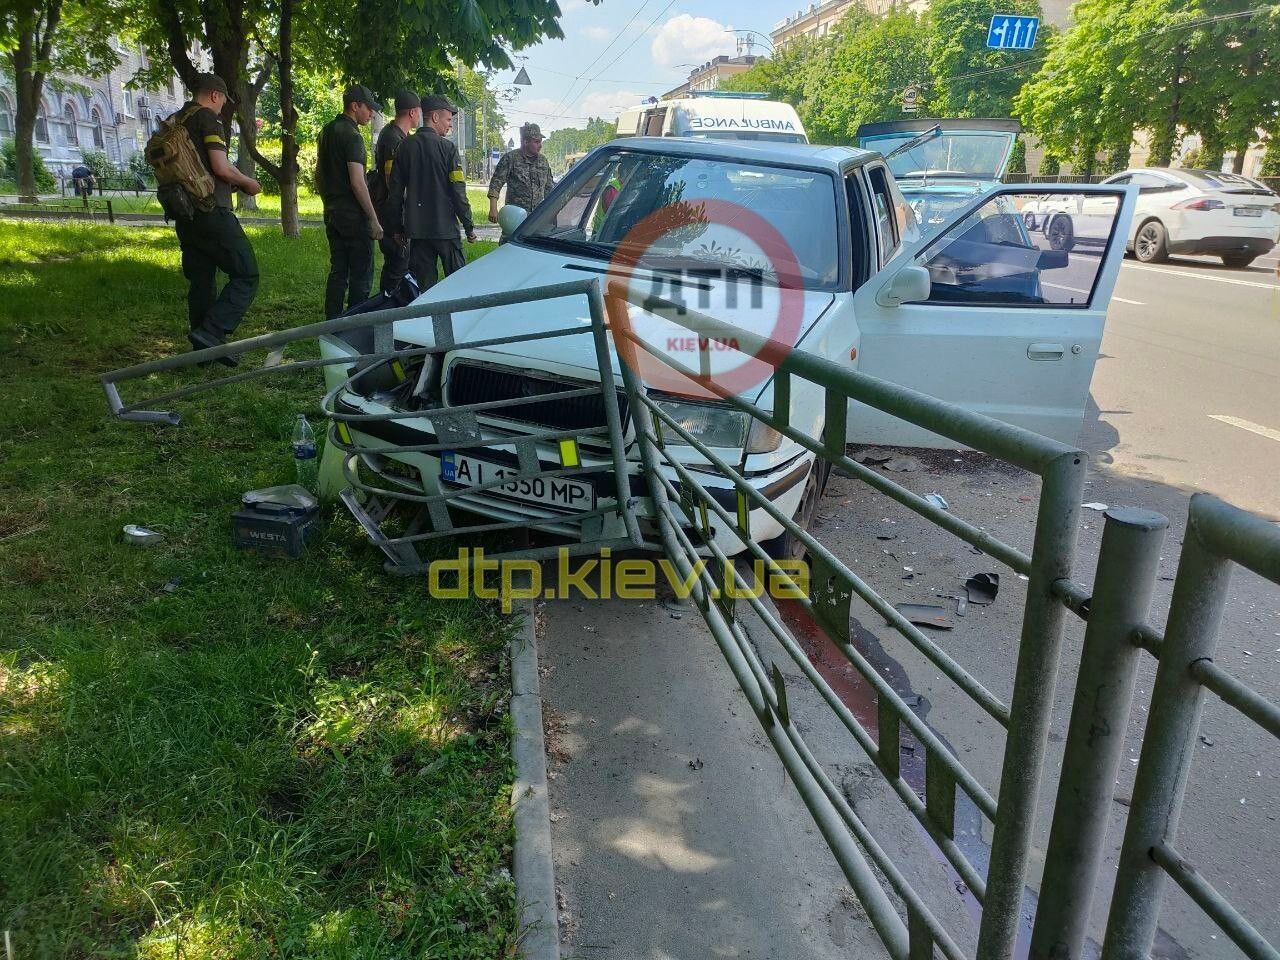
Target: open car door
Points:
x,y
1006,324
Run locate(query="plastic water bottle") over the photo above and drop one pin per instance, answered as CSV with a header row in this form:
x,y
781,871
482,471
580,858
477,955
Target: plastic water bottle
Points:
x,y
305,456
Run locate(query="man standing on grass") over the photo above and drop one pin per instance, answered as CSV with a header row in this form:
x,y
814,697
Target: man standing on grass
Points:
x,y
429,196
213,240
395,250
350,221
525,172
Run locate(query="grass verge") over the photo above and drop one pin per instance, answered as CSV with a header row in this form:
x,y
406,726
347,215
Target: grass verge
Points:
x,y
203,753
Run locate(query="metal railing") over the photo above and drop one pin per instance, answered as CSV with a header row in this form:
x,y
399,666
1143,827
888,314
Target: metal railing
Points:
x,y
1218,537
551,453
834,584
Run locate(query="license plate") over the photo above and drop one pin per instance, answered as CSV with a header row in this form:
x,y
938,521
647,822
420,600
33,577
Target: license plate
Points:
x,y
559,492
1248,211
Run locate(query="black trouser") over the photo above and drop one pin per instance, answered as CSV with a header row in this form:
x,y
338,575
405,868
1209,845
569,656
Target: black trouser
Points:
x,y
423,255
395,262
350,260
213,241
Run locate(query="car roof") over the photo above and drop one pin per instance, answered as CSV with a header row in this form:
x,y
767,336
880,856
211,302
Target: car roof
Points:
x,y
758,151
949,125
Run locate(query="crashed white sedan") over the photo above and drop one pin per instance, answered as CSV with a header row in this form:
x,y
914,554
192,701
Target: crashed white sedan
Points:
x,y
813,246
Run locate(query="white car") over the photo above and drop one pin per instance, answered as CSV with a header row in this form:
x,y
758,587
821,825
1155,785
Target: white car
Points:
x,y
1200,212
980,313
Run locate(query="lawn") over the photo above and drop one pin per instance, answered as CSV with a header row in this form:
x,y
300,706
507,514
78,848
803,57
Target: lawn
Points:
x,y
204,753
309,205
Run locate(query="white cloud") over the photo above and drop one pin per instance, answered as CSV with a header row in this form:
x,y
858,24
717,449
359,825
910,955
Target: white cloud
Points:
x,y
689,39
598,34
607,103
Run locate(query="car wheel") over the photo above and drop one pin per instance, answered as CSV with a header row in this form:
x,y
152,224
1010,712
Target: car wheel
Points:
x,y
1030,220
1237,261
1061,233
786,545
1151,243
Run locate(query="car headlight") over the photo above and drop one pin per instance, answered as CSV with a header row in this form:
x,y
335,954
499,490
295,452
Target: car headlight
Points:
x,y
719,426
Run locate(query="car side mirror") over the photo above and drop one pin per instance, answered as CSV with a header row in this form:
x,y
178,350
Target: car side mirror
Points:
x,y
908,285
510,217
1053,260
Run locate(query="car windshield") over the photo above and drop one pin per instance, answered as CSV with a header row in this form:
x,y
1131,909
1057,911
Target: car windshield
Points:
x,y
978,155
670,212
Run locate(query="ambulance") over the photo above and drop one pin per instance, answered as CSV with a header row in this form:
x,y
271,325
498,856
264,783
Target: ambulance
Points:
x,y
715,115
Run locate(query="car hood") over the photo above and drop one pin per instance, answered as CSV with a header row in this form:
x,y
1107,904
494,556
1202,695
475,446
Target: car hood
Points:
x,y
514,266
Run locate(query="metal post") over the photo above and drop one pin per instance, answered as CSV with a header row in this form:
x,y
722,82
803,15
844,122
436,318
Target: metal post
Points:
x,y
1122,587
1168,745
1042,623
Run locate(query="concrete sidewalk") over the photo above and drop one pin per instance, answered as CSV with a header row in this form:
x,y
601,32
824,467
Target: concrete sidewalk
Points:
x,y
676,834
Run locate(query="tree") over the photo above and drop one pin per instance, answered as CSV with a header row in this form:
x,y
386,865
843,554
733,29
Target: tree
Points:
x,y
39,37
569,140
968,78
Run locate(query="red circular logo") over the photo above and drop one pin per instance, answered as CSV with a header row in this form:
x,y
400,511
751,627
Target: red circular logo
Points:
x,y
743,276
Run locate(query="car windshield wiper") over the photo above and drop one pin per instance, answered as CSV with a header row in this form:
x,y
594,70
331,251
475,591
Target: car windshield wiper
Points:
x,y
580,247
934,131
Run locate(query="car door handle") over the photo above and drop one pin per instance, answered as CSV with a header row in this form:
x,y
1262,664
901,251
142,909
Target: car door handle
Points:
x,y
1046,351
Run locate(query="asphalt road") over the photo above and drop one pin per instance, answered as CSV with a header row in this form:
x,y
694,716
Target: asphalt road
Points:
x,y
1187,390
1186,397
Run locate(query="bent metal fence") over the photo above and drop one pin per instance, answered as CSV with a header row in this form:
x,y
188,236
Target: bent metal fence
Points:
x,y
638,459
1116,634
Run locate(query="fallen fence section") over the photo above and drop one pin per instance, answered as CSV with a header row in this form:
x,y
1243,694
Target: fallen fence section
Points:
x,y
423,508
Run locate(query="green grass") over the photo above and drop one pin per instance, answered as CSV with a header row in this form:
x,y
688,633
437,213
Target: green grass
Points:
x,y
204,753
309,205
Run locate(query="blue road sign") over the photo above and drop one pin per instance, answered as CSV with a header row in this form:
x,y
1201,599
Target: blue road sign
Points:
x,y
1009,32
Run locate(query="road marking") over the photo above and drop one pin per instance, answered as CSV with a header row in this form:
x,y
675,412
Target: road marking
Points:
x,y
1201,276
1058,286
1249,425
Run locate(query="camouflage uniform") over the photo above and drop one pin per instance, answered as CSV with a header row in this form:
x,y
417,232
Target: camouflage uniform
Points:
x,y
527,178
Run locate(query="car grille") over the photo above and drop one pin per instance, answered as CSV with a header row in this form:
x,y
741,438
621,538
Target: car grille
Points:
x,y
477,383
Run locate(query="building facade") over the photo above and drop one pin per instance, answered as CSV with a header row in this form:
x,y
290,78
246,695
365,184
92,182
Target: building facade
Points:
x,y
819,19
81,114
709,75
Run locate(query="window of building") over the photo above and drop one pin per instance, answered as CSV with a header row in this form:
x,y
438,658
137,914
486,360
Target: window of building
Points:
x,y
6,117
95,117
42,124
69,117
128,101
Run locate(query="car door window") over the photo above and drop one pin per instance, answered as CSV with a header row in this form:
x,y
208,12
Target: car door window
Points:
x,y
1151,183
992,257
882,206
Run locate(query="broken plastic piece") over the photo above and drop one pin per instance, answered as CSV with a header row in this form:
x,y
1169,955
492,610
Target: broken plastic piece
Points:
x,y
938,500
926,615
1094,506
982,588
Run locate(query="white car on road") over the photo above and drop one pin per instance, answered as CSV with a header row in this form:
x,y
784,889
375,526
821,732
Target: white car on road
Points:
x,y
1185,212
980,313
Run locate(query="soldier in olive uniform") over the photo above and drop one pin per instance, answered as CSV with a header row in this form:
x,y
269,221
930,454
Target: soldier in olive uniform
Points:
x,y
429,195
213,240
350,222
525,172
395,250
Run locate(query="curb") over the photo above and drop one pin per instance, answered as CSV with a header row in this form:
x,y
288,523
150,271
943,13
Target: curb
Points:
x,y
532,867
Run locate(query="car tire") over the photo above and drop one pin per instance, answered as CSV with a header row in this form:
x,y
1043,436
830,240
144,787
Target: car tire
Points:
x,y
1061,233
1029,220
786,545
1151,243
1237,261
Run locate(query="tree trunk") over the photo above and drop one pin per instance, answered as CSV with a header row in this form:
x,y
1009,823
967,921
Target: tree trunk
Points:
x,y
1164,139
1237,162
29,59
289,221
248,117
286,172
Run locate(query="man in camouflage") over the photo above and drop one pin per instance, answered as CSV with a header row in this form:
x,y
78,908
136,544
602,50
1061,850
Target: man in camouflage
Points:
x,y
524,171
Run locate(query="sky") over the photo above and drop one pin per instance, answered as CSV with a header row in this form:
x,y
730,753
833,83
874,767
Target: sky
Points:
x,y
617,52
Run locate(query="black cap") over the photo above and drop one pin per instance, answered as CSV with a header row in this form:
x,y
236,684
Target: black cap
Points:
x,y
361,94
407,100
210,83
437,102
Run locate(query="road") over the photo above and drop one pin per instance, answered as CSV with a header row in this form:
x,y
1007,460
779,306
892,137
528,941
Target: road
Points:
x,y
1186,396
1187,391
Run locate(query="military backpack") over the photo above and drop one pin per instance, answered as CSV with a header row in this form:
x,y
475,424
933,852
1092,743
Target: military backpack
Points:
x,y
184,185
